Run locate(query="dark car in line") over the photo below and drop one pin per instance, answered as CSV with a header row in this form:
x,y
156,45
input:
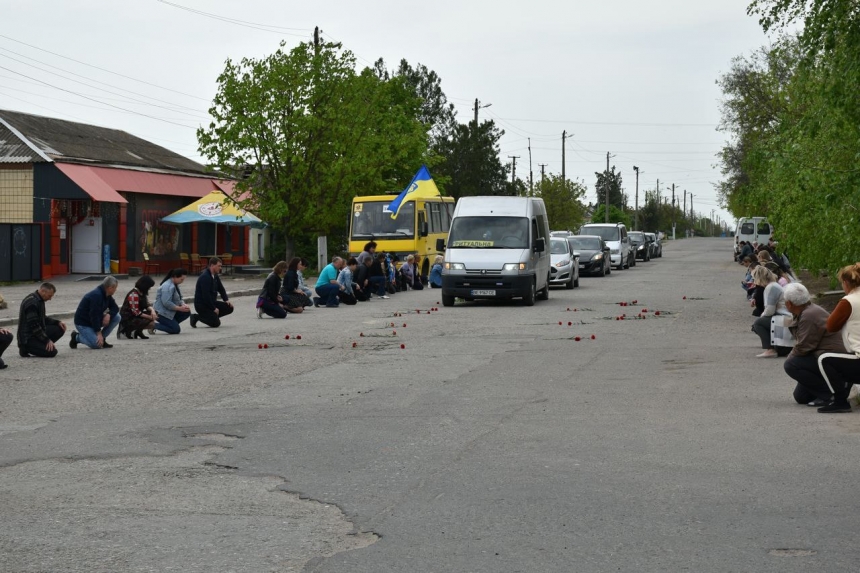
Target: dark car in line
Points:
x,y
656,245
593,254
640,244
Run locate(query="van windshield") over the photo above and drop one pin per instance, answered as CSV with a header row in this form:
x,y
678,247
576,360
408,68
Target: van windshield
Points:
x,y
489,233
605,233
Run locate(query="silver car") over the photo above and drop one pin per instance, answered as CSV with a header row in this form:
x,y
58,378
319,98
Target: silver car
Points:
x,y
564,263
656,245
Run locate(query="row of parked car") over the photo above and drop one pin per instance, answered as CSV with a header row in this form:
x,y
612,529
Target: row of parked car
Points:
x,y
596,249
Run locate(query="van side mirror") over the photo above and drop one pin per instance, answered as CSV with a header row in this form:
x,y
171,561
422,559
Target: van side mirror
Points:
x,y
540,245
440,245
424,229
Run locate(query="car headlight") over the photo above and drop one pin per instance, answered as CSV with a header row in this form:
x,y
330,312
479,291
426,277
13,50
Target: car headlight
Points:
x,y
615,251
563,263
597,257
641,248
514,267
455,267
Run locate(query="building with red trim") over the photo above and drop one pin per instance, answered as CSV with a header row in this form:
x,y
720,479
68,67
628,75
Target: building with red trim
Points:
x,y
92,188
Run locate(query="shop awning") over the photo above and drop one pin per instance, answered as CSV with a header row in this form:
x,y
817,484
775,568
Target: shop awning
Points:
x,y
91,183
105,183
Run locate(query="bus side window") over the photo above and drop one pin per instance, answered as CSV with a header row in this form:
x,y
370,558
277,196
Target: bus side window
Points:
x,y
421,224
446,217
435,218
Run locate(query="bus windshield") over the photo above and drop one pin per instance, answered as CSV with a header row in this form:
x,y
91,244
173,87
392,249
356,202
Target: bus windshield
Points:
x,y
372,219
489,233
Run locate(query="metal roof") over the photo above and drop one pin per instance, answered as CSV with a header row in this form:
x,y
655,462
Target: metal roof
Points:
x,y
26,138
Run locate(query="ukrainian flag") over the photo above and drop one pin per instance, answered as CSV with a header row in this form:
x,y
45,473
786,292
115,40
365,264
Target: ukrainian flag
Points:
x,y
422,187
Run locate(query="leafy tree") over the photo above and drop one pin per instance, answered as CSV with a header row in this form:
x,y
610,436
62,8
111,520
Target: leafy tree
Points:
x,y
612,181
469,161
309,133
616,215
563,199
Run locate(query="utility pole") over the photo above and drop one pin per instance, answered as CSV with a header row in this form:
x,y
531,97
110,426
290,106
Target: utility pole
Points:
x,y
673,211
477,107
531,179
564,137
636,214
542,165
658,193
692,213
712,222
685,212
514,170
606,186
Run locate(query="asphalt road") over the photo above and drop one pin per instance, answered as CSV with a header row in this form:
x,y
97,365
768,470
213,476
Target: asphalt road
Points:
x,y
493,442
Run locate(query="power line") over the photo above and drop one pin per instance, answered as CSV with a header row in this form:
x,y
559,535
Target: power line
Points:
x,y
634,124
102,69
127,98
97,101
262,27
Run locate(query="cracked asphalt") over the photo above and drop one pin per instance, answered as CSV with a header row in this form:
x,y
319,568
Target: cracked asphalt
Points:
x,y
494,442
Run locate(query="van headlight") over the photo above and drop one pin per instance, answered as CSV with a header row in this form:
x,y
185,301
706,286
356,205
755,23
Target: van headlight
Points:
x,y
615,251
514,267
455,267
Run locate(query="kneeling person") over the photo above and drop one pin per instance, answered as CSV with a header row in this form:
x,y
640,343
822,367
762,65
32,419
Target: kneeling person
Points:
x,y
97,316
37,333
209,309
813,340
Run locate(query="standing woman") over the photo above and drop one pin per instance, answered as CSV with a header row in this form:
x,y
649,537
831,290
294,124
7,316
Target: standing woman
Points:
x,y
774,303
169,305
841,371
269,301
136,313
293,297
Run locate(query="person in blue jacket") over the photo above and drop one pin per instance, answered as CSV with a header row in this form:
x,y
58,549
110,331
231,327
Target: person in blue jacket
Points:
x,y
436,272
97,316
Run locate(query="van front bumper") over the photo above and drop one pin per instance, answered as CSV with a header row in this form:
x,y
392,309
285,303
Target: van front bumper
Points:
x,y
504,286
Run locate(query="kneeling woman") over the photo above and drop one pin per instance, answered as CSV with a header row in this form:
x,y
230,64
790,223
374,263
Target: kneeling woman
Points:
x,y
269,302
169,305
774,303
136,314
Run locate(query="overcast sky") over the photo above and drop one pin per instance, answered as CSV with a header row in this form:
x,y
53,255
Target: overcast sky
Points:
x,y
633,78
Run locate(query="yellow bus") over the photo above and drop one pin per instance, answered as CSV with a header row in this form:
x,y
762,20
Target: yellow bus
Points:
x,y
420,222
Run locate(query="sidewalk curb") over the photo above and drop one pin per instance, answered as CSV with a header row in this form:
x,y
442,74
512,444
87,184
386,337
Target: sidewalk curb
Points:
x,y
71,314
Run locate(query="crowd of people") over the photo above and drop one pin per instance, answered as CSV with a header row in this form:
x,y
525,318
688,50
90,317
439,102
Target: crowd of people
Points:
x,y
144,313
822,348
343,281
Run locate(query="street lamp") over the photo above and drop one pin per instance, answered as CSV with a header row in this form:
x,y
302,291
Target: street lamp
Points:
x,y
636,214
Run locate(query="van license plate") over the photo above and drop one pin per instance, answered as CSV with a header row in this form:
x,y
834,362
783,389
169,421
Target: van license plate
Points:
x,y
483,293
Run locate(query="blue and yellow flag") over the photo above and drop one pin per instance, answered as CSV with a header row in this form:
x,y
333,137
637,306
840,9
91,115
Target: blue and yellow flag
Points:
x,y
422,186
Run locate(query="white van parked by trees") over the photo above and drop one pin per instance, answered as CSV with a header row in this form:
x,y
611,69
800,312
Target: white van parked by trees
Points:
x,y
752,230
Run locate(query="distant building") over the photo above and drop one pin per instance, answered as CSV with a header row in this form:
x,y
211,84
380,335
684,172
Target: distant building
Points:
x,y
89,187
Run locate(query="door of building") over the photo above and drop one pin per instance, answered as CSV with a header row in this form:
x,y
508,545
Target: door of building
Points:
x,y
87,246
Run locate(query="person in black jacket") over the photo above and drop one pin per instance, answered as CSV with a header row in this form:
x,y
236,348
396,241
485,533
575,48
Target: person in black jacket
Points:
x,y
293,297
37,333
209,309
270,301
97,316
6,339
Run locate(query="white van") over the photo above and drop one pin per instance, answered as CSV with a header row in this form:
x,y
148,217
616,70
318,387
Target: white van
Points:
x,y
752,230
621,253
497,248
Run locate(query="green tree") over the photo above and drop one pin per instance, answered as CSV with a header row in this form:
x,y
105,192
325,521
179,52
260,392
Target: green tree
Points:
x,y
469,162
612,181
616,215
563,200
309,133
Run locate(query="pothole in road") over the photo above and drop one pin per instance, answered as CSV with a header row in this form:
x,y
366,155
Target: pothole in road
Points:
x,y
182,512
792,552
